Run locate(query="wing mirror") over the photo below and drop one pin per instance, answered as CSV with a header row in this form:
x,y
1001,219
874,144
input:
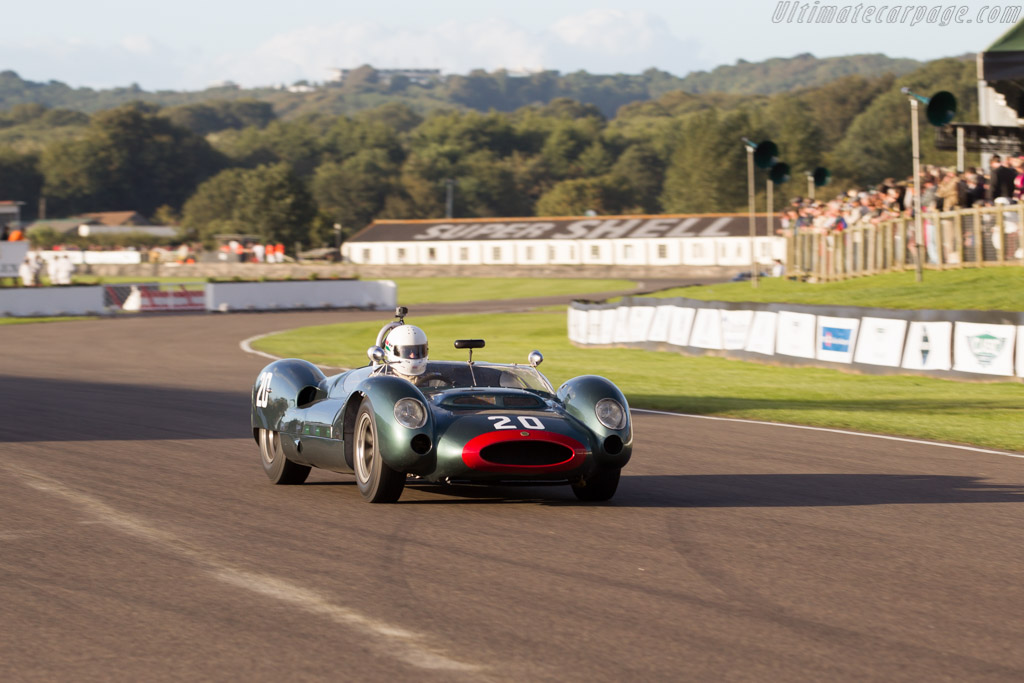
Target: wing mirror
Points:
x,y
375,354
535,358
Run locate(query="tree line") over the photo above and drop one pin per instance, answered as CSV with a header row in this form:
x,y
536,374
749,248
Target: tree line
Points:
x,y
233,166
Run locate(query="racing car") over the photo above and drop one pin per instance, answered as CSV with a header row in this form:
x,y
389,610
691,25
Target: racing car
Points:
x,y
404,416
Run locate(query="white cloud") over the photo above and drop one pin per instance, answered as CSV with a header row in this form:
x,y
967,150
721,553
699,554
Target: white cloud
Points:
x,y
599,41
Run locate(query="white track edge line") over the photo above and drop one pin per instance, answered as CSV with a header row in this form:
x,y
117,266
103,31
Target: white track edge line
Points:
x,y
830,430
245,345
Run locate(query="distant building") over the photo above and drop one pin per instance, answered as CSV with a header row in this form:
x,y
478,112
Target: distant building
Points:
x,y
418,76
10,213
660,240
115,218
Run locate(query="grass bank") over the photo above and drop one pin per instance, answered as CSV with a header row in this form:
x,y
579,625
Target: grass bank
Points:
x,y
988,289
986,415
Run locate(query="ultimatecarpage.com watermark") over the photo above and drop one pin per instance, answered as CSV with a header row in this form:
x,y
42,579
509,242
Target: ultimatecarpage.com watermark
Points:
x,y
942,15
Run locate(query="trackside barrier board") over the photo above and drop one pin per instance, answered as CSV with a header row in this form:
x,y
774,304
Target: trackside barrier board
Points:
x,y
795,334
929,346
880,341
762,333
946,343
836,338
1020,351
47,301
736,329
259,296
985,349
707,329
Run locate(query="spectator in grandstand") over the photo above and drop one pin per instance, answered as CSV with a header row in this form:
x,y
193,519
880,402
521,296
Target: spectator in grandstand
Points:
x,y
26,273
951,192
1001,179
259,252
975,189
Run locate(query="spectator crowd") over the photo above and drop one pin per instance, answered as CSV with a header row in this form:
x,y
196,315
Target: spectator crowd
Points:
x,y
942,189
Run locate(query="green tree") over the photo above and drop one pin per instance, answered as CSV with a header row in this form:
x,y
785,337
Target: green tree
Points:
x,y
130,158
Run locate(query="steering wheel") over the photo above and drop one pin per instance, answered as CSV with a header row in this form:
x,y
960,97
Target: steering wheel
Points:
x,y
425,380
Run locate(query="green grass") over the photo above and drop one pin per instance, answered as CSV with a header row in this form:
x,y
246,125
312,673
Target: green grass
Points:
x,y
130,279
440,290
983,414
989,289
55,319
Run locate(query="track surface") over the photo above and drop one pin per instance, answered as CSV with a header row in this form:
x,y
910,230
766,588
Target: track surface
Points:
x,y
140,540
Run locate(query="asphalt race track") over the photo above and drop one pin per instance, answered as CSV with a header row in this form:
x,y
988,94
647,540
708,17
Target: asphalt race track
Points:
x,y
140,541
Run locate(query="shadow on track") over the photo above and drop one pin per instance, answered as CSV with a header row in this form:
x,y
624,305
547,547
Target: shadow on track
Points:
x,y
750,490
68,410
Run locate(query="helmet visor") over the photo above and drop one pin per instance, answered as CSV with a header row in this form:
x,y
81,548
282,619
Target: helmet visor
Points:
x,y
411,351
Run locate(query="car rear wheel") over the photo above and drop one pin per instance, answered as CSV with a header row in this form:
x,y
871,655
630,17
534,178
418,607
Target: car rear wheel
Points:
x,y
279,469
376,481
599,486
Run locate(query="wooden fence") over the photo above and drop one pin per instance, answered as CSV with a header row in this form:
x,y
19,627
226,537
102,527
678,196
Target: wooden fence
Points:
x,y
969,238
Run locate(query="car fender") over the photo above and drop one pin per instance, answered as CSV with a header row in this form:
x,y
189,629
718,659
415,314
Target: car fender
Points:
x,y
578,396
280,388
394,440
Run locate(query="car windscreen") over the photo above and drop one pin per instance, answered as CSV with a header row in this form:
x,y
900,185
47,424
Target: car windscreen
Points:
x,y
460,375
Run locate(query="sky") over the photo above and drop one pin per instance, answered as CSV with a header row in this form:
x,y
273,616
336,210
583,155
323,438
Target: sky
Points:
x,y
192,44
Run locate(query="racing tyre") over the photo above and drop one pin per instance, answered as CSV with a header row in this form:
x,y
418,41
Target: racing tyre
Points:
x,y
599,486
280,469
376,481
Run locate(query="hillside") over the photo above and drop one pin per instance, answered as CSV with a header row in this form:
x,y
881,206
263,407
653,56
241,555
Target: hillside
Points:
x,y
478,90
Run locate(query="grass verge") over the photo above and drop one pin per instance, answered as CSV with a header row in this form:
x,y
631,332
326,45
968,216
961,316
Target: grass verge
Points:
x,y
55,319
989,289
987,415
442,290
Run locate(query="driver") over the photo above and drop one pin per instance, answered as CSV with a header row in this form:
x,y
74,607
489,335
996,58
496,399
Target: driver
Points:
x,y
406,351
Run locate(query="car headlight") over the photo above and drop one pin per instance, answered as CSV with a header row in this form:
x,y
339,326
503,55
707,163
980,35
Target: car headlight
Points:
x,y
610,413
410,413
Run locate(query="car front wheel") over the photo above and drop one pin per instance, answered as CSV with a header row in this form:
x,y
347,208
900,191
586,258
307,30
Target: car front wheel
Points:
x,y
599,486
376,481
279,469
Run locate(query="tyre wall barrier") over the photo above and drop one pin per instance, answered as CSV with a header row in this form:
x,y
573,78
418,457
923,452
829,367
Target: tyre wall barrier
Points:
x,y
951,344
50,301
259,296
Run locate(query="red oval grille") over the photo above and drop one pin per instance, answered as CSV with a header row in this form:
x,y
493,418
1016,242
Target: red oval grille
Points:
x,y
526,453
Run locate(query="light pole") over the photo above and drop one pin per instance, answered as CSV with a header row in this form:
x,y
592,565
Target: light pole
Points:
x,y
449,197
941,108
337,240
763,155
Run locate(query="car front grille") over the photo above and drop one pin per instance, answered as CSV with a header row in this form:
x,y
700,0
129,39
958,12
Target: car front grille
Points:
x,y
526,453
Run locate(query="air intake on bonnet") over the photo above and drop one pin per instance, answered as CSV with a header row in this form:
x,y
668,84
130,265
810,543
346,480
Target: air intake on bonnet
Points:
x,y
526,453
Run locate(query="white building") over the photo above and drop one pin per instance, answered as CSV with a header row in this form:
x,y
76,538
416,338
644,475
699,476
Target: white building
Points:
x,y
662,240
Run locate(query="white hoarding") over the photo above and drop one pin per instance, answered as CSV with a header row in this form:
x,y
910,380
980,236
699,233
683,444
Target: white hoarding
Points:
x,y
640,318
983,348
682,323
622,332
795,334
608,319
595,318
707,329
928,346
762,333
661,324
12,254
836,338
736,329
880,341
1020,351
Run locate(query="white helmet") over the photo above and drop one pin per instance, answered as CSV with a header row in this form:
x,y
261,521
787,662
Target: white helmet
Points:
x,y
406,350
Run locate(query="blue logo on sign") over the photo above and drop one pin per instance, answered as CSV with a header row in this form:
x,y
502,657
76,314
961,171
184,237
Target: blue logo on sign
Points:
x,y
835,338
